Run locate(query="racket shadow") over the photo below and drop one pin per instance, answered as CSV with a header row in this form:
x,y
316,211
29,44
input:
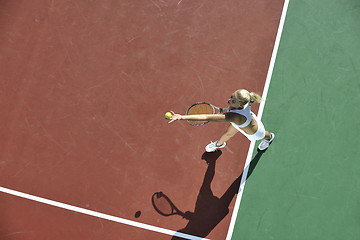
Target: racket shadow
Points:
x,y
210,210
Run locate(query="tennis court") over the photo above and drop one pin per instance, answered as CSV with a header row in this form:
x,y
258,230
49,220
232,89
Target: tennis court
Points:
x,y
85,146
306,187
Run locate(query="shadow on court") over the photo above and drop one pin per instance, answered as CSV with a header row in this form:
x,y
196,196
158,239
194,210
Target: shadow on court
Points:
x,y
209,209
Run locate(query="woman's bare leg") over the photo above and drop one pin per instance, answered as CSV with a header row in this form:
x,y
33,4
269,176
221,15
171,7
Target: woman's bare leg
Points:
x,y
229,133
267,135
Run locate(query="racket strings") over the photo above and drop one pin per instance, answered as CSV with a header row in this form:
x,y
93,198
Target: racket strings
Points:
x,y
199,108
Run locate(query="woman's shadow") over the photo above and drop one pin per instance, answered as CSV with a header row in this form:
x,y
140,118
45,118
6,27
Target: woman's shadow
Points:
x,y
210,209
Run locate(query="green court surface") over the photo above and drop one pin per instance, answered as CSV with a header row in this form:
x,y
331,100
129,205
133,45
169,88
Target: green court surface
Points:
x,y
307,184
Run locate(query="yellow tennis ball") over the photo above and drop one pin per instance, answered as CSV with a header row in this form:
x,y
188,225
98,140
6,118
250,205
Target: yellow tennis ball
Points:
x,y
168,115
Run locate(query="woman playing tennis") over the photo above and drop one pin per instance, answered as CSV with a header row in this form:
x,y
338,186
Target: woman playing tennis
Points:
x,y
241,120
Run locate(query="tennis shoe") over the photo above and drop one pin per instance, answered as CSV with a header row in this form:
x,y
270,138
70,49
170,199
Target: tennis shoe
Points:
x,y
265,143
211,147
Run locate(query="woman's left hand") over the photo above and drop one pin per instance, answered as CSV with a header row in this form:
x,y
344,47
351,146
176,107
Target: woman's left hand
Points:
x,y
174,117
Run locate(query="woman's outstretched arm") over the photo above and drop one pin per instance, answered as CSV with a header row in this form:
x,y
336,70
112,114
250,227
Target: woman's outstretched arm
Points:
x,y
200,117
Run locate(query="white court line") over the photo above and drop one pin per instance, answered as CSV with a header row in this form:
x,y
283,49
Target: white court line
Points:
x,y
99,215
261,109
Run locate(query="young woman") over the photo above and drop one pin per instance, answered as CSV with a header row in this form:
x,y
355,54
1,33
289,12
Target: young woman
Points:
x,y
241,120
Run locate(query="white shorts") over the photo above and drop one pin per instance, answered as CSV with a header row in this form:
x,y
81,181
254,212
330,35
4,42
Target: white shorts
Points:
x,y
260,133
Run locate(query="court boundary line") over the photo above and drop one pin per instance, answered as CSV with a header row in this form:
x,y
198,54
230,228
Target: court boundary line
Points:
x,y
99,215
260,112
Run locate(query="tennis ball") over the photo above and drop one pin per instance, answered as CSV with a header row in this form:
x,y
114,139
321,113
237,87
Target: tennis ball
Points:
x,y
168,115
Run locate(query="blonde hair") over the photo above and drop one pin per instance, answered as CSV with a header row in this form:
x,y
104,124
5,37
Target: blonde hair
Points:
x,y
245,96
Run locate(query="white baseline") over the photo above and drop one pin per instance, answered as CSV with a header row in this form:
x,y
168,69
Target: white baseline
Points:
x,y
99,215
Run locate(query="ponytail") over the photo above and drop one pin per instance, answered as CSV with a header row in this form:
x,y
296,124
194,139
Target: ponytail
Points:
x,y
254,97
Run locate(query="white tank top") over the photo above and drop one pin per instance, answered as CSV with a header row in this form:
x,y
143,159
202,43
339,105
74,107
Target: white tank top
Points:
x,y
246,112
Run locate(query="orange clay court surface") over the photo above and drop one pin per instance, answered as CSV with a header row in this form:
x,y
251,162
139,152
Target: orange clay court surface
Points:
x,y
84,88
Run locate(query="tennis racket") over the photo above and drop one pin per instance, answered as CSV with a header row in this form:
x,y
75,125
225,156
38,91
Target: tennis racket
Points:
x,y
164,206
203,108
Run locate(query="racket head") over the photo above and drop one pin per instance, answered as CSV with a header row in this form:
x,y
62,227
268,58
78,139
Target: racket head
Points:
x,y
199,108
163,204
